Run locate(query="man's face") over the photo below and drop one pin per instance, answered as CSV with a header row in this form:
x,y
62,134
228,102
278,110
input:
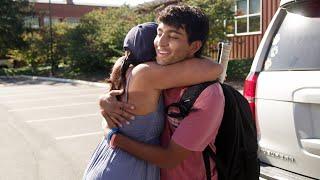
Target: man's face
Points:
x,y
172,45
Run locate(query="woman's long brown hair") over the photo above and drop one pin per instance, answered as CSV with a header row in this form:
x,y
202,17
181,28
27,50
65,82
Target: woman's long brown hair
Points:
x,y
117,77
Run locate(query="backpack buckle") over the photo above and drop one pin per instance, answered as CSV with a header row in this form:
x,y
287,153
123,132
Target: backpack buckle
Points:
x,y
172,109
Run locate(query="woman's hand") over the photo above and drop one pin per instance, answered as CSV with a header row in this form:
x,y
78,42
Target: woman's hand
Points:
x,y
115,112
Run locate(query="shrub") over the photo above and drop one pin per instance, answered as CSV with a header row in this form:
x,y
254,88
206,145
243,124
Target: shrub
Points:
x,y
238,69
12,15
99,37
34,53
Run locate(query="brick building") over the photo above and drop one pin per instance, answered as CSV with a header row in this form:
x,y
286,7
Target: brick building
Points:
x,y
252,18
66,11
245,33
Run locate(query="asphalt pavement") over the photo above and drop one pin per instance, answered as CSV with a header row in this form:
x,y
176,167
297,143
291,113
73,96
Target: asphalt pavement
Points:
x,y
48,129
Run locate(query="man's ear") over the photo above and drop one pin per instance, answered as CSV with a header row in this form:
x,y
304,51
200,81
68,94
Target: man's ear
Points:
x,y
195,46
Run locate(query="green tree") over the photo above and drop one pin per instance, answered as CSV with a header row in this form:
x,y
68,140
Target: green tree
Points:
x,y
218,11
99,37
60,43
33,53
12,15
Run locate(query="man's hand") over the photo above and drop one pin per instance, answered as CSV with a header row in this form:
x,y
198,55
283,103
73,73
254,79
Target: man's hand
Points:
x,y
115,112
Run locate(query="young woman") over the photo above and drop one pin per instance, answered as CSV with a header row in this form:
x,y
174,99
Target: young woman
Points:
x,y
143,80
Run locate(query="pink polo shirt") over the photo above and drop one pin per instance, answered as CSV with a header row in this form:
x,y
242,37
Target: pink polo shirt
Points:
x,y
194,132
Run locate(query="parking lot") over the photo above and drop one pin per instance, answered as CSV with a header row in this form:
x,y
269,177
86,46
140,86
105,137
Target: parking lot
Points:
x,y
48,129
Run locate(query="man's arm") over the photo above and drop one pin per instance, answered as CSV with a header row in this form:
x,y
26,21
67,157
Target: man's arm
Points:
x,y
164,157
190,72
184,73
194,133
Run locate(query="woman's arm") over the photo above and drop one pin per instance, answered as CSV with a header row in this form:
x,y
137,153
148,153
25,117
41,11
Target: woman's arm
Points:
x,y
184,73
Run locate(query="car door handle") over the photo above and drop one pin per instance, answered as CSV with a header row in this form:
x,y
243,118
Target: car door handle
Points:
x,y
307,95
311,145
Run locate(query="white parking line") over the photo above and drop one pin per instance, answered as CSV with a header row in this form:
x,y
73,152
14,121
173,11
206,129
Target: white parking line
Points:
x,y
48,107
50,92
50,98
31,88
78,135
61,118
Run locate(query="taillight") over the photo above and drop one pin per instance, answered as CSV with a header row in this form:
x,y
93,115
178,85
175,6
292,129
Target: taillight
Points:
x,y
249,92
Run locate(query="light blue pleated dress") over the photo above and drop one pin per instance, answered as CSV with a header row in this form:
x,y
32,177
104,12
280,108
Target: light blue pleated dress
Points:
x,y
114,164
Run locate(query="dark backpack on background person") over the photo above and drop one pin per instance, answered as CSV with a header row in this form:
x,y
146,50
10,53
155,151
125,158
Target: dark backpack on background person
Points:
x,y
236,142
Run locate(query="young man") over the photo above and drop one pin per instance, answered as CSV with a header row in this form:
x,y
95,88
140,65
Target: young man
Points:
x,y
181,28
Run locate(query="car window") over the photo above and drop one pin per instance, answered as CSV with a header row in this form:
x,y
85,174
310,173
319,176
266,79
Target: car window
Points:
x,y
296,44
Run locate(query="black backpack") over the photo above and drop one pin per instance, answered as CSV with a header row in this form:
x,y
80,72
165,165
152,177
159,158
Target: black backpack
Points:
x,y
236,142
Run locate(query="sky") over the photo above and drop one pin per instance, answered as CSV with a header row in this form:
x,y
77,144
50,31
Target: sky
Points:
x,y
100,2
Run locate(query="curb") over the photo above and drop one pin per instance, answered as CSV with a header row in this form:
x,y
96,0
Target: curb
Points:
x,y
89,83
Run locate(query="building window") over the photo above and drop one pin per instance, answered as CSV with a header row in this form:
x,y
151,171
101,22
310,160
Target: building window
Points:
x,y
247,18
31,22
72,20
47,1
54,20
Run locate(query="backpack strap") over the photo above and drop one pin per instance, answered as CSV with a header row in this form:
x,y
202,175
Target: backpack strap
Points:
x,y
184,106
187,100
207,153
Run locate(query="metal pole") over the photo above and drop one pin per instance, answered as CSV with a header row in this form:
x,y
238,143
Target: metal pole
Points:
x,y
51,43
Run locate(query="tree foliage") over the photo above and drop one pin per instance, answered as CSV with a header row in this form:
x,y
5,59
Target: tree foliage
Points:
x,y
91,45
36,50
33,53
12,14
99,37
218,11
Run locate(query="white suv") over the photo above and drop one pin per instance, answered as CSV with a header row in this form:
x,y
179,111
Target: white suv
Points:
x,y
283,89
